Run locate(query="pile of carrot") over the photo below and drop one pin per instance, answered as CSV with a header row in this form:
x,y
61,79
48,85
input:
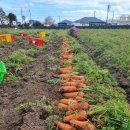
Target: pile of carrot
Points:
x,y
73,102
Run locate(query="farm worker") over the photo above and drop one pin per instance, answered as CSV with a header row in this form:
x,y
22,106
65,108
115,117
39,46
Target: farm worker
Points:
x,y
73,31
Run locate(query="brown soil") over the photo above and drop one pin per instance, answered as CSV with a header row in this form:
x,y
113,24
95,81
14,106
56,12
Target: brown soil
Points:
x,y
8,48
122,78
32,86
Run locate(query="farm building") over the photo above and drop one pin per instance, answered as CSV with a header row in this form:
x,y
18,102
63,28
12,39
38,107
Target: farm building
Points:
x,y
89,21
65,23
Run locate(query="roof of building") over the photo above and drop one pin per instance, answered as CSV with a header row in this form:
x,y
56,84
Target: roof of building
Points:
x,y
66,21
87,20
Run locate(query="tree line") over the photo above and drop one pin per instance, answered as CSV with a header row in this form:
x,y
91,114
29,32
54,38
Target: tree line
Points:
x,y
7,18
10,18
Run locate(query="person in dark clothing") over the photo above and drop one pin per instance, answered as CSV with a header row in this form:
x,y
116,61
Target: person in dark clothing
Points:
x,y
73,31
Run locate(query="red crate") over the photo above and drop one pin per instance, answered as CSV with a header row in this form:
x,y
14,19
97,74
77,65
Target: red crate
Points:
x,y
23,34
13,37
36,41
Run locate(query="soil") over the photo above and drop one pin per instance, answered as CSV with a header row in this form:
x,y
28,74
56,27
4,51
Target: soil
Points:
x,y
122,78
32,86
7,49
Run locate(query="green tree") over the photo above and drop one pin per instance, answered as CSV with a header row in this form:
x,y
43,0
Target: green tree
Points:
x,y
49,21
12,17
2,16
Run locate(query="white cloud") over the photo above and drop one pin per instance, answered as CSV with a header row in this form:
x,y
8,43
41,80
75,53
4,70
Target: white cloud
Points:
x,y
100,6
86,2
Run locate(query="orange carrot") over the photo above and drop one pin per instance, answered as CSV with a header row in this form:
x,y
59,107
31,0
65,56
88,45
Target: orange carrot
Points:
x,y
78,98
81,116
68,113
78,77
64,71
68,101
81,85
63,75
91,127
70,84
63,81
79,106
73,94
64,126
68,89
62,106
81,124
66,68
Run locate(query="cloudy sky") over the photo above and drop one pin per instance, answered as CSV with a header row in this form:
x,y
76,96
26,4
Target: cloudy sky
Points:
x,y
66,9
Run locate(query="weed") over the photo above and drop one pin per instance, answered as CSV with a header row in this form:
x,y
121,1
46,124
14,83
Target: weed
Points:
x,y
36,103
51,58
53,81
49,122
19,57
10,78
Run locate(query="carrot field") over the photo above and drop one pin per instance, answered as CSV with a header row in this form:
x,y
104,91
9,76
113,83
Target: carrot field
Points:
x,y
68,83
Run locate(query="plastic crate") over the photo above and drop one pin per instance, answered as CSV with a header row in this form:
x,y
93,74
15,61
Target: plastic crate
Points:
x,y
2,71
5,38
23,34
13,38
41,34
36,41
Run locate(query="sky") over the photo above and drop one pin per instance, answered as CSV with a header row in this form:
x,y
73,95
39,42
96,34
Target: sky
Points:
x,y
65,9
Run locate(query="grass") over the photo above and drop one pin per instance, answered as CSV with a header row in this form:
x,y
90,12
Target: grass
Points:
x,y
109,47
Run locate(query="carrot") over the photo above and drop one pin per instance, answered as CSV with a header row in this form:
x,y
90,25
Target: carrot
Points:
x,y
81,124
63,75
66,68
73,94
81,85
70,84
68,89
62,106
64,126
73,80
81,116
91,127
63,81
68,113
79,106
64,71
81,94
78,77
68,101
78,98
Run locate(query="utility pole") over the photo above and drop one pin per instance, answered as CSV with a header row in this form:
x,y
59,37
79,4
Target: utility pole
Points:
x,y
30,14
108,10
59,19
94,13
22,14
113,17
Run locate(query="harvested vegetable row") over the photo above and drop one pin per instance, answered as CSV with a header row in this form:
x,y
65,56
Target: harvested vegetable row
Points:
x,y
73,102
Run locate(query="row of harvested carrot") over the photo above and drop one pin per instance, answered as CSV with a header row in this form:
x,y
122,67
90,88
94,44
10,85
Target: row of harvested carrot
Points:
x,y
73,102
